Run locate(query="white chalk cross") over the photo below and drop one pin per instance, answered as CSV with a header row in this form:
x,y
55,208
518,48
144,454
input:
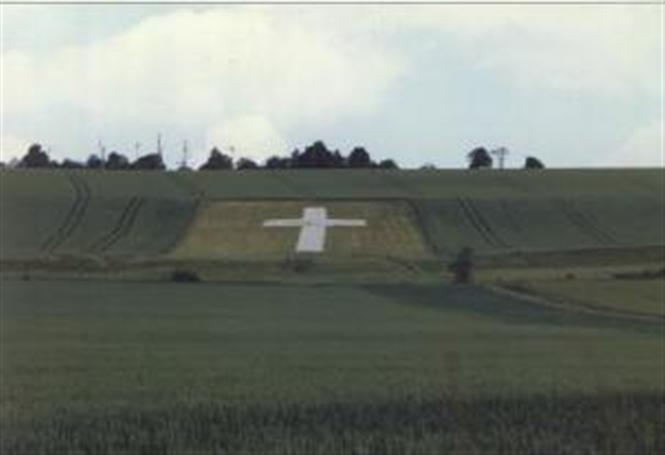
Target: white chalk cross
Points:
x,y
313,225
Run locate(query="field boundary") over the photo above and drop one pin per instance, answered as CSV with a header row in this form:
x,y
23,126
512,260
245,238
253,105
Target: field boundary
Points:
x,y
82,195
571,305
122,227
187,186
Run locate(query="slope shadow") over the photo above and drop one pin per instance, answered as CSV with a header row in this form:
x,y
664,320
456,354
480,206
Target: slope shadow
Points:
x,y
483,302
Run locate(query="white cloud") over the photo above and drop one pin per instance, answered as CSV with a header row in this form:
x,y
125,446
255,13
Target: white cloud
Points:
x,y
197,70
609,50
247,75
12,147
644,148
250,136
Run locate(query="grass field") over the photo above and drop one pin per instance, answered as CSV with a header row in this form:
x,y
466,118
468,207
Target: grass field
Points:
x,y
365,349
640,297
138,215
47,214
234,230
120,367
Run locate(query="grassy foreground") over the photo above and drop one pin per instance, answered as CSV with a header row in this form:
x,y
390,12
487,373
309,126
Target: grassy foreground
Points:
x,y
101,367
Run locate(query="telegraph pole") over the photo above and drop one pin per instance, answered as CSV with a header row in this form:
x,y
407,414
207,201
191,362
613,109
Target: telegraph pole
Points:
x,y
185,155
102,150
501,153
137,146
159,144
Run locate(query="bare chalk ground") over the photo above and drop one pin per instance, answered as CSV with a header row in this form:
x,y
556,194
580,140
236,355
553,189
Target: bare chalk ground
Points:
x,y
313,226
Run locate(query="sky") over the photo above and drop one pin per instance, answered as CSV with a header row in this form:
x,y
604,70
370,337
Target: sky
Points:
x,y
574,85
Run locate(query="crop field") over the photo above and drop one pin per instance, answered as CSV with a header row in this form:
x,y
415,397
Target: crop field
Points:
x,y
138,215
640,297
152,312
48,214
234,230
108,367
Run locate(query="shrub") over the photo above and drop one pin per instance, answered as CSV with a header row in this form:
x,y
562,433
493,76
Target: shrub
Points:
x,y
184,276
462,266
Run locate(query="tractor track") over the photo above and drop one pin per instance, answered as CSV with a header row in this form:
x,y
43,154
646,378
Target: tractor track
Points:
x,y
480,224
122,227
585,222
419,219
73,217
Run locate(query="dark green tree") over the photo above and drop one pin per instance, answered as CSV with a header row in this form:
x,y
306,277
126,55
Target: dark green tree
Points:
x,y
316,155
71,164
533,163
246,164
116,162
216,161
149,162
94,162
479,158
359,158
277,162
36,157
388,164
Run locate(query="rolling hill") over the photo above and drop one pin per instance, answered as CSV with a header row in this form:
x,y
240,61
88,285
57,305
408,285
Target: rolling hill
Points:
x,y
412,215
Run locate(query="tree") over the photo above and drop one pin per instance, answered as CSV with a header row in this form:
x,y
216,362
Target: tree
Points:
x,y
533,163
479,158
388,164
216,161
116,162
36,157
338,159
94,162
276,162
359,158
71,164
316,155
462,266
246,164
149,162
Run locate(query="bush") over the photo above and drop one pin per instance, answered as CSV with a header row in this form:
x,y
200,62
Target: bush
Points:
x,y
462,266
184,276
298,264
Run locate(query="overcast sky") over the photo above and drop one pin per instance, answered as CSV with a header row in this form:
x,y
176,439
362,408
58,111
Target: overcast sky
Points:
x,y
576,85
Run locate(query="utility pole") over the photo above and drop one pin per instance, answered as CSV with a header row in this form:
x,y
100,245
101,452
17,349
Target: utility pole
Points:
x,y
102,150
501,153
137,146
185,155
159,144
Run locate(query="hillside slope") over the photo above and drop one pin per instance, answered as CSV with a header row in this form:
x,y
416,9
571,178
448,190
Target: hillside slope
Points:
x,y
48,214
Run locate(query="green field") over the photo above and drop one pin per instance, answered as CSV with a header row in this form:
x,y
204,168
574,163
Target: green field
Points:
x,y
366,348
138,215
189,366
638,297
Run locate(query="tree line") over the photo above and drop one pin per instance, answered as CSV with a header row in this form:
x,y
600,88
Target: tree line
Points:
x,y
314,156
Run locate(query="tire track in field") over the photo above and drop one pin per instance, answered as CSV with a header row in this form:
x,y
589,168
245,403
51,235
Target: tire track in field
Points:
x,y
419,219
122,227
480,224
74,214
587,224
